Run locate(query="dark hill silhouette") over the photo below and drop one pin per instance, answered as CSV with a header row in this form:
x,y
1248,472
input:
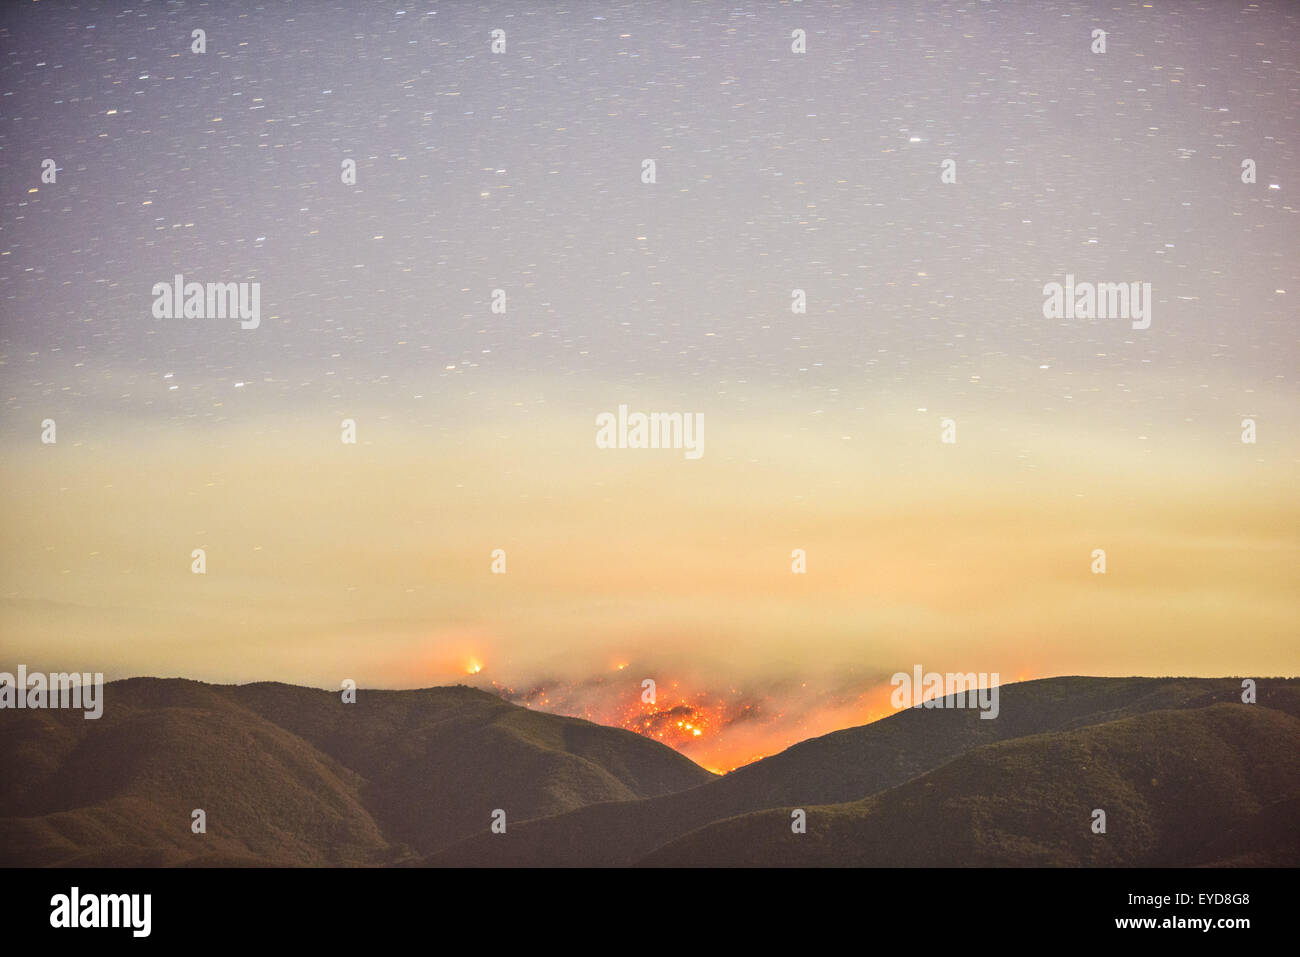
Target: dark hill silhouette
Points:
x,y
848,765
291,775
438,761
1216,785
120,790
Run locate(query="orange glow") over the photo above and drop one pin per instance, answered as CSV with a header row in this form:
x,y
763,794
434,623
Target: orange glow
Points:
x,y
473,668
720,731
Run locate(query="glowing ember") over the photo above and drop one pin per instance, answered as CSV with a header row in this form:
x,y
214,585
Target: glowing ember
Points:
x,y
718,729
680,719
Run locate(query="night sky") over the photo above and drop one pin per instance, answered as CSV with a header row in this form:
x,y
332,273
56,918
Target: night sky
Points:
x,y
775,171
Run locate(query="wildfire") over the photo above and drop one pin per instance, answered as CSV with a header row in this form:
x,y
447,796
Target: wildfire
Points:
x,y
473,668
720,728
677,719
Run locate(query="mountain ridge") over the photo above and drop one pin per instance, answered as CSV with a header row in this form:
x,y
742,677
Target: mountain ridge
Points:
x,y
396,774
844,765
292,776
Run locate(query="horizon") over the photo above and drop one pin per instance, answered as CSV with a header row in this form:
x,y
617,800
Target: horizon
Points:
x,y
695,750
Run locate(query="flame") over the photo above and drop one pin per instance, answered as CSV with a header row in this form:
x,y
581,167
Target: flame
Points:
x,y
720,729
684,720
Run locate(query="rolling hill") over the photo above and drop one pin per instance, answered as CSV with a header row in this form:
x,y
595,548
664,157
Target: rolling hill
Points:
x,y
848,765
291,776
1212,786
